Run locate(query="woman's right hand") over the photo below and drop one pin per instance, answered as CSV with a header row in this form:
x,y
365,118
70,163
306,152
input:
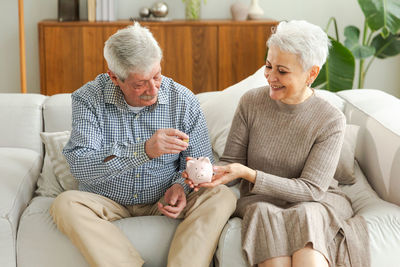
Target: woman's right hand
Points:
x,y
227,173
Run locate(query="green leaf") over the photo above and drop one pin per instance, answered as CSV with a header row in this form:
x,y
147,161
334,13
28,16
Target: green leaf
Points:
x,y
382,14
352,34
388,47
338,71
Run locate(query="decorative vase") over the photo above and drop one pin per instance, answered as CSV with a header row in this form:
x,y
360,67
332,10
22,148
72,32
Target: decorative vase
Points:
x,y
239,11
192,9
255,11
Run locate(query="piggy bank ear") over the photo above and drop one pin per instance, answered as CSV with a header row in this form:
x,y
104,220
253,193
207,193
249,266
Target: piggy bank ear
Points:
x,y
207,160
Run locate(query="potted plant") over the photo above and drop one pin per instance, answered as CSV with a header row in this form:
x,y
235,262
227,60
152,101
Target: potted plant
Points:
x,y
192,9
380,39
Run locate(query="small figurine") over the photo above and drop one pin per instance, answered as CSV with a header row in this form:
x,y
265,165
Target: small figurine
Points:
x,y
199,170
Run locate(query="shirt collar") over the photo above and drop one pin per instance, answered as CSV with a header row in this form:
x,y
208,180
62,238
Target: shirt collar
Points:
x,y
113,95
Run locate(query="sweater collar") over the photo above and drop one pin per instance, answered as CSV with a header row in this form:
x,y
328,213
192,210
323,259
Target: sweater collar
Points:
x,y
294,108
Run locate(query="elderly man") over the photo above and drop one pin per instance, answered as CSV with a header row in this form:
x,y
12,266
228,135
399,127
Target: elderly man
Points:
x,y
132,129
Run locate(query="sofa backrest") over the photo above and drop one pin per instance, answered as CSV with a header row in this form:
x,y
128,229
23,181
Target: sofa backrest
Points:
x,y
378,143
21,121
57,113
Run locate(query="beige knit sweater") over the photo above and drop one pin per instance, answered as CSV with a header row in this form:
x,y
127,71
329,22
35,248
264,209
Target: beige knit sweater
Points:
x,y
295,150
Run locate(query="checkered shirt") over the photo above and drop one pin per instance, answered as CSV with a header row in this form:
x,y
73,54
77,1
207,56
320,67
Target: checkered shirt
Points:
x,y
103,125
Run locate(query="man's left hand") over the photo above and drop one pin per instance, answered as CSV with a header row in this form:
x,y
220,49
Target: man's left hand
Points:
x,y
176,201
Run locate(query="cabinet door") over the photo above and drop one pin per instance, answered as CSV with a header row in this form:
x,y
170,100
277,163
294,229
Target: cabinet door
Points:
x,y
72,56
189,55
242,50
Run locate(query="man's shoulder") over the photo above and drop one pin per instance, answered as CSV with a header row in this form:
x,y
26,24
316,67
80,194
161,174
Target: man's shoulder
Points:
x,y
93,89
177,92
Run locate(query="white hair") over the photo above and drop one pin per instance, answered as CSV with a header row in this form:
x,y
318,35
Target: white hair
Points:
x,y
132,49
308,41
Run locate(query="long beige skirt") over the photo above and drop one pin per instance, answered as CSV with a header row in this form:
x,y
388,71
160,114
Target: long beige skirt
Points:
x,y
273,228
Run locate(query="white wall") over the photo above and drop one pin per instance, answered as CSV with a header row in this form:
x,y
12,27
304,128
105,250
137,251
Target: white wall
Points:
x,y
383,74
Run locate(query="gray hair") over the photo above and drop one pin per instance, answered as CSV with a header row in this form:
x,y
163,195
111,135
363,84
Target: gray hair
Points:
x,y
308,41
132,49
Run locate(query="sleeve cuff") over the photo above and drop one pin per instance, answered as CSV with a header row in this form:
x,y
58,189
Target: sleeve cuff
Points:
x,y
262,184
186,187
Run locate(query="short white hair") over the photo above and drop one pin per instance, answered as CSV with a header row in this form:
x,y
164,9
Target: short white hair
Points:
x,y
132,49
308,41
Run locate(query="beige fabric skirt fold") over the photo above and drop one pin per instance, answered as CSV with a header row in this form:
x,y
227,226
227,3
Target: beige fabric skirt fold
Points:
x,y
272,228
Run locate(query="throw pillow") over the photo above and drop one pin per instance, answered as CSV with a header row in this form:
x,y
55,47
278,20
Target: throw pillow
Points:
x,y
345,170
219,108
56,176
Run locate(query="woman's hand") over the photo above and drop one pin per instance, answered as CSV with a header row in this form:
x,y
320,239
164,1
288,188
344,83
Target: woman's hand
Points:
x,y
226,174
230,172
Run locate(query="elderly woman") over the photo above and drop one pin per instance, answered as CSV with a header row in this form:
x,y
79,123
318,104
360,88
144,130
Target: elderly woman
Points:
x,y
284,145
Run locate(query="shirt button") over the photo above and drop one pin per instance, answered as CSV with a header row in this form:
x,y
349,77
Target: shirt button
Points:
x,y
138,139
135,195
134,154
137,116
137,175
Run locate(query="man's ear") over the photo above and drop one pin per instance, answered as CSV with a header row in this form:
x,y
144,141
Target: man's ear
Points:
x,y
314,71
113,77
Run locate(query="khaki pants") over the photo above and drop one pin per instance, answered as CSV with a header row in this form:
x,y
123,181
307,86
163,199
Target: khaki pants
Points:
x,y
86,219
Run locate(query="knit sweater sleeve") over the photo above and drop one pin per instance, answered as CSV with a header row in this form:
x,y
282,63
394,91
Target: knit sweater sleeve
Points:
x,y
317,173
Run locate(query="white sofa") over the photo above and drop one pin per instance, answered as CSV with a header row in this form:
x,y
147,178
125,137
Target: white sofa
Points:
x,y
28,236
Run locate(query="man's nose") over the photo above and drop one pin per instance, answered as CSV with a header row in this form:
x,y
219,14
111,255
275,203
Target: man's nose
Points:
x,y
152,87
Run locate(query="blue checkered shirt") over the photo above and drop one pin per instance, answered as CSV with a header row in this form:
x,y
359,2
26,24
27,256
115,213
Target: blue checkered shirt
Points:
x,y
103,125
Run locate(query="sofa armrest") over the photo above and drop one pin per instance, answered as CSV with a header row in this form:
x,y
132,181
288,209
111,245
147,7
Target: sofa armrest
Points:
x,y
19,170
382,218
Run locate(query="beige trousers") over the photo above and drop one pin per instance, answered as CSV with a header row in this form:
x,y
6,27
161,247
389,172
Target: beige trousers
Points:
x,y
86,219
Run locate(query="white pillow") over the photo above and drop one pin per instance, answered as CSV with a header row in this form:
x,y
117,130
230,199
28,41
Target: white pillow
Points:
x,y
219,108
56,176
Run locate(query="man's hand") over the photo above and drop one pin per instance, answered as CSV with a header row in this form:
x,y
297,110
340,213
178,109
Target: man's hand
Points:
x,y
166,141
176,201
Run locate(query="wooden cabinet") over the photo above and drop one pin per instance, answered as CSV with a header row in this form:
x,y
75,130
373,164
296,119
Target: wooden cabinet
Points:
x,y
202,55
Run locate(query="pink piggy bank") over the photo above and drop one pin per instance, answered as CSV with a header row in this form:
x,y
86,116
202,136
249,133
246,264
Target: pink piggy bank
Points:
x,y
199,170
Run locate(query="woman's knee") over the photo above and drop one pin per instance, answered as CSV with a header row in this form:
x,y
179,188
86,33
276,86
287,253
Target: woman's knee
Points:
x,y
308,256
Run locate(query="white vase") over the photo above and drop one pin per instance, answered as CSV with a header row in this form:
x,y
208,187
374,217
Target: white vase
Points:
x,y
255,11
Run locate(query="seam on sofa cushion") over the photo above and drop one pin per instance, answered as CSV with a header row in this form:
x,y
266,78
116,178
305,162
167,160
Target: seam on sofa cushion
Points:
x,y
19,190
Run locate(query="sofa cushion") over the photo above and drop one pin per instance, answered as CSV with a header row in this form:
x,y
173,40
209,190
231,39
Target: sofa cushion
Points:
x,y
345,170
383,220
56,176
219,108
150,235
19,170
57,113
21,120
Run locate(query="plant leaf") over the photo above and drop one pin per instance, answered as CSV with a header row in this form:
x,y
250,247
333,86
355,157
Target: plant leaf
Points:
x,y
352,33
352,42
338,71
382,14
386,47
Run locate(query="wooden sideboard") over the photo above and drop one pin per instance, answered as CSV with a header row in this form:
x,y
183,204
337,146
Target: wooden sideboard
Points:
x,y
205,55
